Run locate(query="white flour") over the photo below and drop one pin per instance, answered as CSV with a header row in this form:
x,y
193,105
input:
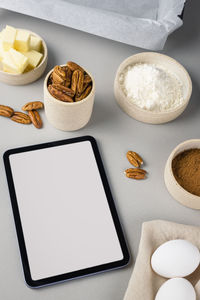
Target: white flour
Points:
x,y
151,87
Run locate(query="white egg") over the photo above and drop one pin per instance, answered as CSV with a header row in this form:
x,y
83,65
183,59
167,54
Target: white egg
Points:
x,y
175,258
176,289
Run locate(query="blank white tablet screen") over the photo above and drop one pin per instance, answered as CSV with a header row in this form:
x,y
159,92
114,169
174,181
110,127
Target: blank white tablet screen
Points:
x,y
66,220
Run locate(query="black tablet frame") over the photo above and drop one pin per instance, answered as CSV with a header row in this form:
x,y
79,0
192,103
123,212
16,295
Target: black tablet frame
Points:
x,y
79,273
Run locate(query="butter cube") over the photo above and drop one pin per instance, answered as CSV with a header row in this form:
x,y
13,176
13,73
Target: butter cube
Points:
x,y
1,48
8,37
19,59
35,43
22,40
9,65
1,34
34,58
1,51
28,68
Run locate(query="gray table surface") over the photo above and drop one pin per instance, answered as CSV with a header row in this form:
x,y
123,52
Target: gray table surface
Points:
x,y
116,133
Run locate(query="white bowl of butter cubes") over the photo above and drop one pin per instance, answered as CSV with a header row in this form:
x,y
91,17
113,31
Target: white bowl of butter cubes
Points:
x,y
23,56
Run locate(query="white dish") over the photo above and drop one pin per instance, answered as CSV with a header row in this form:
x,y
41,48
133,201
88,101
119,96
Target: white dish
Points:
x,y
174,188
143,115
27,77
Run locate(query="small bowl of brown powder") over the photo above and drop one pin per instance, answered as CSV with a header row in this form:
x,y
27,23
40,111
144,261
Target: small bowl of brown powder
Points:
x,y
182,173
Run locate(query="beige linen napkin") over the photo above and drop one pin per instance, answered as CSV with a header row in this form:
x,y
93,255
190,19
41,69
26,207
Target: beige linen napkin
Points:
x,y
144,282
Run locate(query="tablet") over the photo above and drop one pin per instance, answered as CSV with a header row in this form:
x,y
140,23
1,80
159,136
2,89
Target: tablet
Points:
x,y
65,217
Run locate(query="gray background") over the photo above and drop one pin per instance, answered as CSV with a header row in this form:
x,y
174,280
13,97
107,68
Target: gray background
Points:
x,y
116,133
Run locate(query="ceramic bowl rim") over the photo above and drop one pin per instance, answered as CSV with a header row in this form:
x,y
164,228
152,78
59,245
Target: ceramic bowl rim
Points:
x,y
127,62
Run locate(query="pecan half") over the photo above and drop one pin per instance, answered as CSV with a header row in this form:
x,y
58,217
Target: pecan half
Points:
x,y
84,94
85,85
134,159
135,173
6,111
68,76
58,94
87,78
20,117
64,89
33,105
77,81
74,82
35,118
80,82
73,66
58,75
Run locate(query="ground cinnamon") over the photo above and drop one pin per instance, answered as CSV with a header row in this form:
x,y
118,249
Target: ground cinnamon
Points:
x,y
186,169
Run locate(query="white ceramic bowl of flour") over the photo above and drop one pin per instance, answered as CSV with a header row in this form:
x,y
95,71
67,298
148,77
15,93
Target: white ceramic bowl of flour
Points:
x,y
160,95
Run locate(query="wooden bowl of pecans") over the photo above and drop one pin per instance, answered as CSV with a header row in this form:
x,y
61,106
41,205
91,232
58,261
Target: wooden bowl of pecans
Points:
x,y
69,92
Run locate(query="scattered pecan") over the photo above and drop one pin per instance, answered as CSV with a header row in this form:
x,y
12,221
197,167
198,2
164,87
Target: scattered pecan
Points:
x,y
33,105
20,117
135,173
35,118
134,159
6,111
